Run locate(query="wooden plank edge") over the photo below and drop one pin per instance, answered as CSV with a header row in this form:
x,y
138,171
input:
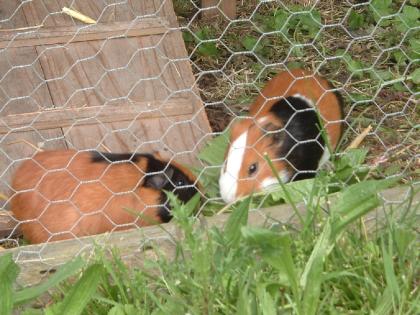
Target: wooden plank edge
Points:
x,y
36,261
66,117
80,33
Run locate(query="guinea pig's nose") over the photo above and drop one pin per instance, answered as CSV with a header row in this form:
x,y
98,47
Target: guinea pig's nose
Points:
x,y
228,186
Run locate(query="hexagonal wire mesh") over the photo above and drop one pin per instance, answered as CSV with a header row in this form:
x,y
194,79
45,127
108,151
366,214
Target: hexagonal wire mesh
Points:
x,y
125,85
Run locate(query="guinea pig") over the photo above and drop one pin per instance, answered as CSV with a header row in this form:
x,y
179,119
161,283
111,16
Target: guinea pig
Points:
x,y
64,194
283,123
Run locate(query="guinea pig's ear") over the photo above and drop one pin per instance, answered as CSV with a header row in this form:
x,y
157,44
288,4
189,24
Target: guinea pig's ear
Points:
x,y
275,132
160,180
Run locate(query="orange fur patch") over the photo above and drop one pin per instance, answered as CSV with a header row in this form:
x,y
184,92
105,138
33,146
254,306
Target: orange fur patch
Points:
x,y
59,200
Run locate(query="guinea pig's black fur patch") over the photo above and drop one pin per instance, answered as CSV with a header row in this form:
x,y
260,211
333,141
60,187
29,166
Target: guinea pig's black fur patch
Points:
x,y
98,157
159,175
301,124
178,183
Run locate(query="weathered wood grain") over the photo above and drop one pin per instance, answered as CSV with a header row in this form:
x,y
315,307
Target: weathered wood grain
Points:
x,y
65,117
23,90
134,245
71,34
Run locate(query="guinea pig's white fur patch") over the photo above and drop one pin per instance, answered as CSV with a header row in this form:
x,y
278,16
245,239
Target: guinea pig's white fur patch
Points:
x,y
228,181
272,181
325,157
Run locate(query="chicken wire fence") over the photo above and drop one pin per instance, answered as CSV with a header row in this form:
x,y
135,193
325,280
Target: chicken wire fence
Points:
x,y
126,83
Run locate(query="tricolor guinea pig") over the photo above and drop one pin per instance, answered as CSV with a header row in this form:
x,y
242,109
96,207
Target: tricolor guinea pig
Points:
x,y
65,194
284,124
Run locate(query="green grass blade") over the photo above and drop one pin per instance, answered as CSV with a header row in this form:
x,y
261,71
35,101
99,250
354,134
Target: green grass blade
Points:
x,y
266,302
390,276
384,304
117,279
8,273
243,305
311,279
82,292
32,311
63,273
286,192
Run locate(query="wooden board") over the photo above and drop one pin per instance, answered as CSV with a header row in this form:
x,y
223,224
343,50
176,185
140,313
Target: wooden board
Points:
x,y
36,261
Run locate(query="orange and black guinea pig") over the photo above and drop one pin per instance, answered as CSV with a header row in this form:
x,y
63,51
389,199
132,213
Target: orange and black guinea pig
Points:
x,y
64,194
284,124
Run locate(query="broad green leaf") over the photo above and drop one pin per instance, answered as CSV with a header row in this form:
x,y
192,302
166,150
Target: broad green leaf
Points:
x,y
355,20
63,273
385,75
415,76
311,22
294,65
381,8
352,157
399,56
297,190
203,33
356,194
117,310
280,17
213,154
188,37
275,249
265,301
350,163
410,15
192,204
391,278
356,200
414,48
82,292
354,66
208,49
8,273
249,42
237,219
120,309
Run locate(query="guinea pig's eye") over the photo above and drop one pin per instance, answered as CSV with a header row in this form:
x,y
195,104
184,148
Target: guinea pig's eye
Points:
x,y
252,168
180,182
